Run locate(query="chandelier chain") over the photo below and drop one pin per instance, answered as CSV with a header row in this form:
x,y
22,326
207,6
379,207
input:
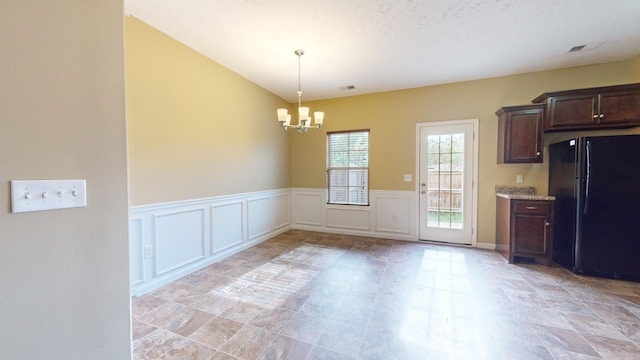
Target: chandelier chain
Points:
x,y
299,53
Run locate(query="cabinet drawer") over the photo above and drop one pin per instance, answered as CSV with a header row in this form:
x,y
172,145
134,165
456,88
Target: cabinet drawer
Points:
x,y
532,207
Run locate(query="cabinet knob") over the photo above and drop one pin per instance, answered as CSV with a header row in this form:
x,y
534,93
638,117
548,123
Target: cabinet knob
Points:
x,y
546,223
595,116
601,116
538,153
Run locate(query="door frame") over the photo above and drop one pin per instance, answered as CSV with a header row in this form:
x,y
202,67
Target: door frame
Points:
x,y
474,173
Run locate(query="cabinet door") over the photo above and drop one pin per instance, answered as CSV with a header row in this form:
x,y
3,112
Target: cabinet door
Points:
x,y
620,108
520,134
569,112
530,235
524,137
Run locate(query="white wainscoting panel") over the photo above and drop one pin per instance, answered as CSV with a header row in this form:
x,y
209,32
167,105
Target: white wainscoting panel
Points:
x,y
308,207
391,214
348,217
227,225
179,239
182,237
260,218
281,209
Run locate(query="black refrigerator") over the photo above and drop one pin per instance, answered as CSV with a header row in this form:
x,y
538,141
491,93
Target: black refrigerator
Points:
x,y
596,182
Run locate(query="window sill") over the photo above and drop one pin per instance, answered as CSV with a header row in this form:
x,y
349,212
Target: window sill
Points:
x,y
353,206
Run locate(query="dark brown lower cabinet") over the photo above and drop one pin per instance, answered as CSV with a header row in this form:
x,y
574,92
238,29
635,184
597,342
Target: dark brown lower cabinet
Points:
x,y
524,229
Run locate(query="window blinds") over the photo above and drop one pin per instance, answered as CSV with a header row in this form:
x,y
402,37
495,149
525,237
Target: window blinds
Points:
x,y
348,167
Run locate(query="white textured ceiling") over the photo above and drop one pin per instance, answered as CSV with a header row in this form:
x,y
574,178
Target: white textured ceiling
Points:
x,y
382,45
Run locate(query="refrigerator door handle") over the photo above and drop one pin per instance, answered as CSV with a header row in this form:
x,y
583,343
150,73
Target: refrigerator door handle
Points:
x,y
588,176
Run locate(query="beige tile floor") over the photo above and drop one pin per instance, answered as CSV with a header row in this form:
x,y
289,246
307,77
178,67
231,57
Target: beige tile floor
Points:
x,y
305,295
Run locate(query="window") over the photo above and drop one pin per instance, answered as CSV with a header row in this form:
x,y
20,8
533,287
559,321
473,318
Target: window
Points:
x,y
348,167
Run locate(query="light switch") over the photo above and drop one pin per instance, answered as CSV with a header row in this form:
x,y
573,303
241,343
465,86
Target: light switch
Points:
x,y
519,179
407,177
35,195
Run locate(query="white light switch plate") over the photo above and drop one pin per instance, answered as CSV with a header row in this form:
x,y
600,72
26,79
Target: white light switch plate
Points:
x,y
38,195
407,177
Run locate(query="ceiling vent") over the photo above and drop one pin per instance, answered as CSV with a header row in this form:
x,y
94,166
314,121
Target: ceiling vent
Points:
x,y
577,48
348,88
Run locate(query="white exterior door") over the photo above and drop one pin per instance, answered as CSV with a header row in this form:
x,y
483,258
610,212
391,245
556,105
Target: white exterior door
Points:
x,y
446,183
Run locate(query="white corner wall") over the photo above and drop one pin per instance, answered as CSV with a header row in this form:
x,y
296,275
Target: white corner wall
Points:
x,y
64,292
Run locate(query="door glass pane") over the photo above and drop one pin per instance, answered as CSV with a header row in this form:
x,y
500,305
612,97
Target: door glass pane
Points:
x,y
457,143
457,161
445,181
445,144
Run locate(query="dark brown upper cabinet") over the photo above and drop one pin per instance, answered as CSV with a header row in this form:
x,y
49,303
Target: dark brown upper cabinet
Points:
x,y
520,134
590,109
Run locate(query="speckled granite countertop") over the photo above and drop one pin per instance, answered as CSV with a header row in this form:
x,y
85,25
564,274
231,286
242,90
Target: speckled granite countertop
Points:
x,y
525,197
520,193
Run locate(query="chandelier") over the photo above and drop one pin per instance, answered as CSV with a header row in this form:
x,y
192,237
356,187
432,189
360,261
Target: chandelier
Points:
x,y
304,120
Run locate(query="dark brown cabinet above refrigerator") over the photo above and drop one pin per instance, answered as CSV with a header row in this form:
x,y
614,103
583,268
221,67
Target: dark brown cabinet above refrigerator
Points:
x,y
591,109
520,134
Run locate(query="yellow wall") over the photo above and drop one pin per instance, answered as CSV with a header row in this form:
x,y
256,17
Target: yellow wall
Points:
x,y
64,274
195,128
392,118
635,68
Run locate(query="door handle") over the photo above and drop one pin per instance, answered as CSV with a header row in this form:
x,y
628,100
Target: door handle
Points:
x,y
585,210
